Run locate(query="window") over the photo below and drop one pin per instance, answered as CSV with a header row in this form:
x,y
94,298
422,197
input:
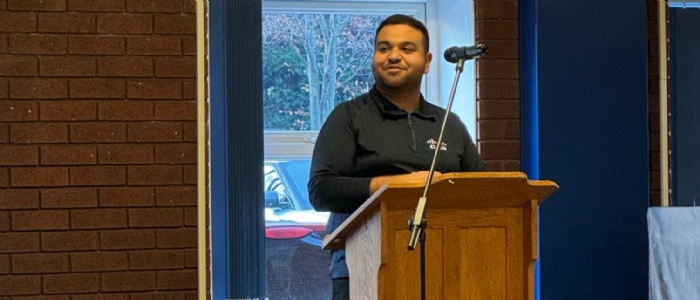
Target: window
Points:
x,y
317,54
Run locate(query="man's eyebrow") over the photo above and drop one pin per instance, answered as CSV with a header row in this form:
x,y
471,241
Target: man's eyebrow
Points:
x,y
403,43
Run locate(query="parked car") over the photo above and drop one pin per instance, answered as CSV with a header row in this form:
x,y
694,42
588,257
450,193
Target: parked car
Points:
x,y
297,267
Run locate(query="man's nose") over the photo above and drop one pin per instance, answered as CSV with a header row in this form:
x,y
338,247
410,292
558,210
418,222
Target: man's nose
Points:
x,y
394,55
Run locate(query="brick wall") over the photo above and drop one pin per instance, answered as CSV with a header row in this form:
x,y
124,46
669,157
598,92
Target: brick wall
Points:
x,y
98,149
498,84
654,126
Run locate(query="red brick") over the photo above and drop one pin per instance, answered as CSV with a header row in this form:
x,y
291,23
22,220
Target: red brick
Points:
x,y
39,176
128,281
177,238
99,261
4,90
98,219
125,110
69,155
154,45
19,242
68,111
155,132
157,6
498,109
97,132
177,280
175,24
44,297
128,239
189,89
489,9
19,199
37,44
500,149
68,22
104,45
176,110
156,259
68,198
154,89
38,88
38,133
98,175
71,283
97,88
4,264
17,21
190,134
155,217
15,285
39,220
18,111
512,166
125,154
102,296
176,154
16,65
189,6
159,296
4,177
154,175
189,45
191,216
181,67
125,23
96,5
498,69
40,263
176,196
45,5
499,129
498,89
190,174
67,66
191,258
18,156
5,223
63,241
3,44
127,197
125,67
496,29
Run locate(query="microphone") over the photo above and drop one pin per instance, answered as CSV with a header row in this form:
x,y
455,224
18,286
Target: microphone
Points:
x,y
454,53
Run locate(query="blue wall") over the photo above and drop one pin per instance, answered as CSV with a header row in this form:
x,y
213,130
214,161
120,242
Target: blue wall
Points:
x,y
684,70
591,67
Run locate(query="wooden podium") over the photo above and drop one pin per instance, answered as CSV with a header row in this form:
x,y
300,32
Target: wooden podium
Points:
x,y
481,239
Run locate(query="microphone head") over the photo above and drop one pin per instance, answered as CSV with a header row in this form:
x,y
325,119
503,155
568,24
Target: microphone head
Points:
x,y
454,54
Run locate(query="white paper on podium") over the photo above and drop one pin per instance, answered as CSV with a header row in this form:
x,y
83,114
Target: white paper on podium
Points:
x,y
674,253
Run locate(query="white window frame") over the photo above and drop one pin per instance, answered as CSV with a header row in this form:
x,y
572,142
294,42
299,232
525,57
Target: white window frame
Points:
x,y
449,22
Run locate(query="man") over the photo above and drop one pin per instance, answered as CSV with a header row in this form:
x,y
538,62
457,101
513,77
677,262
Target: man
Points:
x,y
386,135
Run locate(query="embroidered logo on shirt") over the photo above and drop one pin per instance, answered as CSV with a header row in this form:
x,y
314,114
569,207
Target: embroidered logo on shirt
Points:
x,y
433,144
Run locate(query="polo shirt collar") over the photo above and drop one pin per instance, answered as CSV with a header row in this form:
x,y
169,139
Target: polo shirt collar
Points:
x,y
387,107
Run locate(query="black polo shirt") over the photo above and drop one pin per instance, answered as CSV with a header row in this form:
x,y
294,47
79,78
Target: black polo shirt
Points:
x,y
369,136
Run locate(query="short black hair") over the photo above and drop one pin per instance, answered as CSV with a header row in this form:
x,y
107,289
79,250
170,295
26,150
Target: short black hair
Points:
x,y
399,19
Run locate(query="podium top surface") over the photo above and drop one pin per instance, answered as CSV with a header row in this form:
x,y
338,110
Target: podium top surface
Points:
x,y
464,190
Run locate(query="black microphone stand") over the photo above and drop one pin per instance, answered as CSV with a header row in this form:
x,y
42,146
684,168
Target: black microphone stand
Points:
x,y
418,224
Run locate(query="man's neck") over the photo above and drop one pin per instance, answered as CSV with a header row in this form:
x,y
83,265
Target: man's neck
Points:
x,y
406,100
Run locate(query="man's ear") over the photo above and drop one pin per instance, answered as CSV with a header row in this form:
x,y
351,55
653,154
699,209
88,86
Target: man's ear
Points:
x,y
428,59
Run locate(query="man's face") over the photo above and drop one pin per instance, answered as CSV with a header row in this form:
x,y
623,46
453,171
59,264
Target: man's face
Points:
x,y
400,59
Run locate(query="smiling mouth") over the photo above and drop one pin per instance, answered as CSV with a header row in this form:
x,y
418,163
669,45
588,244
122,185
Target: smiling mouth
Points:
x,y
394,69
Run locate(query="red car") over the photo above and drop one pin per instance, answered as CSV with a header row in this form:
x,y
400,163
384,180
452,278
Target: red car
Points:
x,y
297,267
